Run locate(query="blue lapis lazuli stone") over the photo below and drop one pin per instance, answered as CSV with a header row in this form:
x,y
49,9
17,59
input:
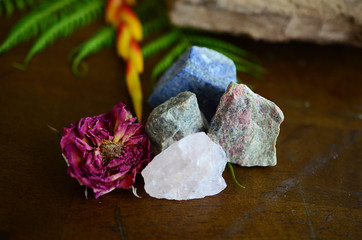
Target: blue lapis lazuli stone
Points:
x,y
200,70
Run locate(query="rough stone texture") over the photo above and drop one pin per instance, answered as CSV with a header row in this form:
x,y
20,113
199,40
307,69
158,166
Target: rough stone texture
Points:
x,y
203,71
246,125
173,120
190,168
322,21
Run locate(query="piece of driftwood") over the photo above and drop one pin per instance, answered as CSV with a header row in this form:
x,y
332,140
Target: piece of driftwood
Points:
x,y
321,21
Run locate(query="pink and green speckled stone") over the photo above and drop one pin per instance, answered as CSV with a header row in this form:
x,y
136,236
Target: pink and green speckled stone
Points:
x,y
246,125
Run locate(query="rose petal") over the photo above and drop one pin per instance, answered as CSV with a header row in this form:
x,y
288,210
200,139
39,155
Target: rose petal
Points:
x,y
82,145
69,136
131,131
99,192
129,180
74,156
119,114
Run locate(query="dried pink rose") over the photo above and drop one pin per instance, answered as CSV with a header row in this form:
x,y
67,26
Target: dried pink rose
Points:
x,y
107,151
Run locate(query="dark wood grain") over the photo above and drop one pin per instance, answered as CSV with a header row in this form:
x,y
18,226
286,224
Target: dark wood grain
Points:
x,y
313,193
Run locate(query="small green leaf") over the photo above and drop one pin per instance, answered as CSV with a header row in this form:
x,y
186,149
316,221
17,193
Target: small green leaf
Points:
x,y
155,25
244,69
56,131
30,2
19,66
256,68
20,4
233,175
166,61
148,8
160,43
9,7
103,38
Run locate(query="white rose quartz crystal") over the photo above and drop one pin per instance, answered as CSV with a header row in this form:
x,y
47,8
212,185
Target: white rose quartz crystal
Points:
x,y
190,168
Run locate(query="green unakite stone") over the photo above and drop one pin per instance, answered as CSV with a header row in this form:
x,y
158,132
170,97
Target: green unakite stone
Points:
x,y
246,125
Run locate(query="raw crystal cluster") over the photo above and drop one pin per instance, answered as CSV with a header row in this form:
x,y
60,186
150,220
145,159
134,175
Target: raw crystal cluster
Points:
x,y
243,130
246,125
173,120
203,71
188,169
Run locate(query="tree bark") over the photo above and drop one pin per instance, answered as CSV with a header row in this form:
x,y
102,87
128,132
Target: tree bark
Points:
x,y
320,21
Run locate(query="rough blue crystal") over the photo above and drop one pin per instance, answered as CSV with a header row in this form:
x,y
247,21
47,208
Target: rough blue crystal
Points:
x,y
202,71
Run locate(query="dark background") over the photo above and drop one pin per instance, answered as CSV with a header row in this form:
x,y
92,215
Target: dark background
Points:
x,y
313,193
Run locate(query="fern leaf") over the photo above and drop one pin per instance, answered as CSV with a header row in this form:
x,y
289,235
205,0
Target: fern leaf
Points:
x,y
8,7
244,69
29,26
20,4
30,2
213,42
243,65
166,62
145,9
155,25
160,43
81,15
103,38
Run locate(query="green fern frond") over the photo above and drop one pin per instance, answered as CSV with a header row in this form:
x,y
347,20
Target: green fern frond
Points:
x,y
105,37
160,43
243,65
220,44
30,2
20,4
40,18
8,7
81,15
147,8
238,60
245,69
155,25
17,4
166,61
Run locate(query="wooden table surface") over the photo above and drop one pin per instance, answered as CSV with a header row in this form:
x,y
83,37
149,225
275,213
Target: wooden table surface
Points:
x,y
314,192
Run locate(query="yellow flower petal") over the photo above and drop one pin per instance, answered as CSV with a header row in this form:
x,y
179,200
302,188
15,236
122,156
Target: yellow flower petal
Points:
x,y
136,56
134,89
131,19
123,41
112,11
131,2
